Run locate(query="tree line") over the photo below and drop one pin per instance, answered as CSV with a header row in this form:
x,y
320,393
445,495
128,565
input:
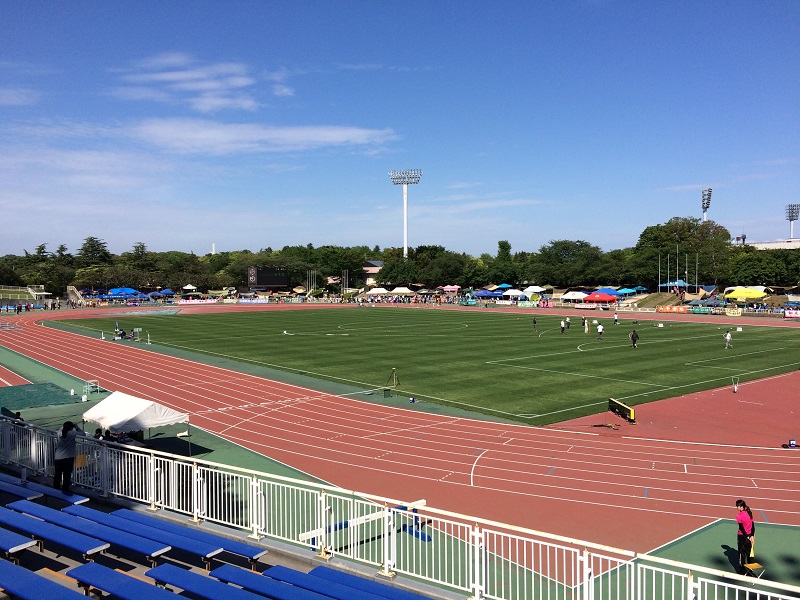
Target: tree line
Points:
x,y
683,248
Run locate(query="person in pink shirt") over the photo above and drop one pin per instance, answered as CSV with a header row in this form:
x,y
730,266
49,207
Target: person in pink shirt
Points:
x,y
745,535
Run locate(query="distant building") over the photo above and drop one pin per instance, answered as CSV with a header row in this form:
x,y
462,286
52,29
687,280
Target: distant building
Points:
x,y
792,244
370,270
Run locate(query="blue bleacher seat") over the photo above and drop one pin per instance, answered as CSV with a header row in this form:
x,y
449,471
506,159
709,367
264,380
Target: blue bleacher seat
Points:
x,y
44,490
115,537
331,589
19,491
201,549
252,553
13,543
360,583
87,546
117,584
28,585
200,585
265,586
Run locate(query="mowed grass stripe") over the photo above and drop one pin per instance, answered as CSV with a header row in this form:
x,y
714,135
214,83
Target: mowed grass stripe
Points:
x,y
487,361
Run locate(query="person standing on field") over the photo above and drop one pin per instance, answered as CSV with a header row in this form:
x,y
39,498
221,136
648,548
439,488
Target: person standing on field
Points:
x,y
600,332
562,326
634,338
728,340
745,534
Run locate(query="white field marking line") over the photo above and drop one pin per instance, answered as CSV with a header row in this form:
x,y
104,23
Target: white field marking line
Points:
x,y
431,397
624,480
136,367
593,493
580,375
686,535
408,429
755,485
472,471
724,378
600,346
286,385
703,363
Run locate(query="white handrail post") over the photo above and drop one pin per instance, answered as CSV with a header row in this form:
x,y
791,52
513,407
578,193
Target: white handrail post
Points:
x,y
586,570
197,496
255,508
692,587
478,575
322,523
151,482
389,543
6,441
105,475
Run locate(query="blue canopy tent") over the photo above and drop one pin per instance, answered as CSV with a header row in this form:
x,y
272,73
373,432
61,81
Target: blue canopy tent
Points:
x,y
488,294
609,291
122,291
676,283
505,286
167,292
626,291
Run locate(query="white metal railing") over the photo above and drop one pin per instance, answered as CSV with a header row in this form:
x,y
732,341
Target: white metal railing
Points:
x,y
482,559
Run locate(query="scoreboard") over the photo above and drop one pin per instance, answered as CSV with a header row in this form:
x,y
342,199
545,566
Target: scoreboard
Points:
x,y
268,278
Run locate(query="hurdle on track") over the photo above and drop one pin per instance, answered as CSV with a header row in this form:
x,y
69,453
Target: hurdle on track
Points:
x,y
91,386
320,532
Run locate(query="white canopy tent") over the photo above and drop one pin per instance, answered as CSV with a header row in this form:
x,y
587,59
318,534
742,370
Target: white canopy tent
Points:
x,y
377,291
123,412
401,291
534,289
513,293
576,295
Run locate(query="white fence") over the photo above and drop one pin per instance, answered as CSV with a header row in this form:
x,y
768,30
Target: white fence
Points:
x,y
479,558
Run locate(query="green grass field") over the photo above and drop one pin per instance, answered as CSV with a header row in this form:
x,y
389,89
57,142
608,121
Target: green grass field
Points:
x,y
486,361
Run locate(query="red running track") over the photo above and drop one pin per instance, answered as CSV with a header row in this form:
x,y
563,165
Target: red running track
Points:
x,y
573,480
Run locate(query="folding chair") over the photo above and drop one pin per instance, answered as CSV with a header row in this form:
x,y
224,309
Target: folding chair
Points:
x,y
755,569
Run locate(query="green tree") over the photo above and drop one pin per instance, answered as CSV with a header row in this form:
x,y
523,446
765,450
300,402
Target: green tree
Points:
x,y
502,269
93,252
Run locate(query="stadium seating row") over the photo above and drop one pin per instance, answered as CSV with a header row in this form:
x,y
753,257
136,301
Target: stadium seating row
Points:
x,y
90,532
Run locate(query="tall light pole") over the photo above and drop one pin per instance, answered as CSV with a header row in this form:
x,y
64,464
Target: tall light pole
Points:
x,y
706,202
792,212
405,177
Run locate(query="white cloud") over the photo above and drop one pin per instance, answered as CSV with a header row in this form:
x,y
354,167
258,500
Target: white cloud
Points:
x,y
196,136
18,96
180,78
282,90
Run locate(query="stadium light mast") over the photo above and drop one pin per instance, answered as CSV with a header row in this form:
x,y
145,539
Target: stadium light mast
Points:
x,y
792,212
405,177
706,202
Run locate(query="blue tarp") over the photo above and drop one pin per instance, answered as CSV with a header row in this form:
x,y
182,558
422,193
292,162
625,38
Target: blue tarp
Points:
x,y
678,282
167,292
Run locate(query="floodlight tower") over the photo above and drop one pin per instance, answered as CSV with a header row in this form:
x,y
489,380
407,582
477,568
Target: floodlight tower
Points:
x,y
792,212
405,177
706,202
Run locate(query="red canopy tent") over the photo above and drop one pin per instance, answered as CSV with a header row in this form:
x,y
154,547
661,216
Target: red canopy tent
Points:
x,y
600,297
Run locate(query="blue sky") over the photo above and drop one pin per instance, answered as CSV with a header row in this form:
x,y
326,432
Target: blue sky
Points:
x,y
254,124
